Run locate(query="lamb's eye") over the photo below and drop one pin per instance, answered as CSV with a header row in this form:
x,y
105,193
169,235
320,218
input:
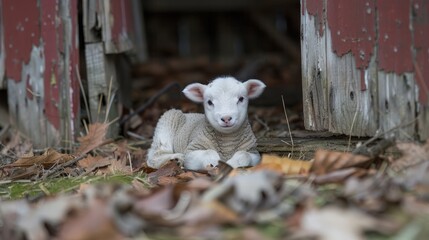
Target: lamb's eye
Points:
x,y
210,103
241,99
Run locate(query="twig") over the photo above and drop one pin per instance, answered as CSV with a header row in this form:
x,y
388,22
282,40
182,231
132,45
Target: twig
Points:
x,y
378,134
149,102
375,150
85,100
382,145
287,121
261,122
52,171
352,126
110,98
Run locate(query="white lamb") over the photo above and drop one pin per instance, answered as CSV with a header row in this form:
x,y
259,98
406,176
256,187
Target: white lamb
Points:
x,y
223,133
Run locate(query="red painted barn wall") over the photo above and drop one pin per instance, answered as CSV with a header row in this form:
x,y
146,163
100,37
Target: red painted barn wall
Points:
x,y
399,29
122,19
394,36
50,26
48,23
315,8
21,32
352,25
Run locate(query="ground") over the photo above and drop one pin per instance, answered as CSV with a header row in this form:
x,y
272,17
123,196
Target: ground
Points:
x,y
310,185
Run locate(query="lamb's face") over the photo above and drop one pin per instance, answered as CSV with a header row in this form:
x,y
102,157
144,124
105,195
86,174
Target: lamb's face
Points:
x,y
225,101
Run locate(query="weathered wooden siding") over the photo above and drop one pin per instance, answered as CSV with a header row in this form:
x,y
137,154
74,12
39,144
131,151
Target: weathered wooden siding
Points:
x,y
107,32
41,62
361,66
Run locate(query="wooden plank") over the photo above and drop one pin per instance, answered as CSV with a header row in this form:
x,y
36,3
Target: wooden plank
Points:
x,y
67,71
102,85
396,79
91,25
351,67
377,66
397,104
314,69
117,25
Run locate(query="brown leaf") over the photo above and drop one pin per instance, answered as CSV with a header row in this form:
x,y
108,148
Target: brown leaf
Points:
x,y
333,223
169,169
33,221
209,213
47,159
24,173
157,203
95,137
119,166
283,165
329,161
339,175
91,163
412,154
94,222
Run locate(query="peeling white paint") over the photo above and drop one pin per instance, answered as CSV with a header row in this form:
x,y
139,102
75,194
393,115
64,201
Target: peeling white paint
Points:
x,y
28,112
313,57
358,115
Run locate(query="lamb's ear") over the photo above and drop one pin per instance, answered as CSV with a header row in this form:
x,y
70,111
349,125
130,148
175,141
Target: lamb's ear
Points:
x,y
195,92
254,88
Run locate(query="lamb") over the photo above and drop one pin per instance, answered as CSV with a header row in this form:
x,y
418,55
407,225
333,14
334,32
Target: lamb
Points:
x,y
223,133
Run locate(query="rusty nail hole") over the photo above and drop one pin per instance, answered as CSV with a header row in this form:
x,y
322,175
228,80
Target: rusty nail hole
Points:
x,y
352,95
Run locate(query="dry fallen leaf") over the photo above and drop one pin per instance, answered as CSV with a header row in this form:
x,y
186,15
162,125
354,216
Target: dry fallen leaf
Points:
x,y
329,161
47,159
283,165
35,222
91,163
339,175
333,223
412,154
94,138
170,169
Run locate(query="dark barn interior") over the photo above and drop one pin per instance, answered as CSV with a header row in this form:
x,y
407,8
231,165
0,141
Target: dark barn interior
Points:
x,y
196,42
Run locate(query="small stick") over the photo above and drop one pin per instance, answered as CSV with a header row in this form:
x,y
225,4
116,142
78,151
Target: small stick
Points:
x,y
148,103
85,100
61,166
287,121
261,122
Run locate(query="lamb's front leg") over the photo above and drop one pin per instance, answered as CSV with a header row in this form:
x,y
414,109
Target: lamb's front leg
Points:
x,y
201,159
244,159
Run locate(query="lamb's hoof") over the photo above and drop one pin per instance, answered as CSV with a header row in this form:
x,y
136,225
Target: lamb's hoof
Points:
x,y
178,161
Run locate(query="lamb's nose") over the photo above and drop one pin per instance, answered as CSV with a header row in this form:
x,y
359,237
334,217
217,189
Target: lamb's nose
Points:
x,y
226,119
